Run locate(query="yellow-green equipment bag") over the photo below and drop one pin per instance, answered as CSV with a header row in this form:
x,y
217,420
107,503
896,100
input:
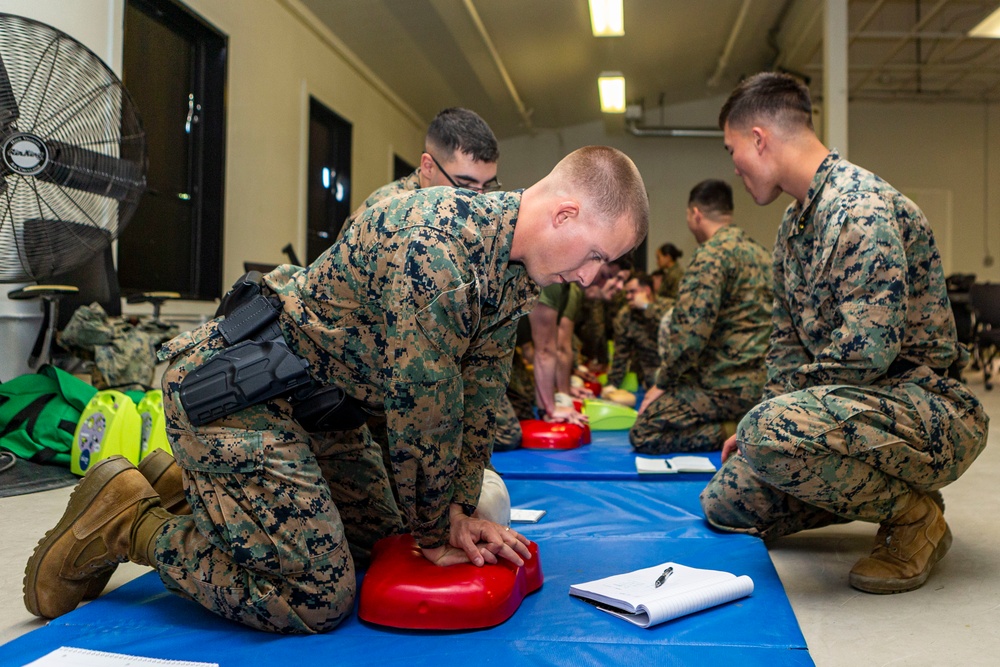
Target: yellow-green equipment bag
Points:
x,y
109,425
154,428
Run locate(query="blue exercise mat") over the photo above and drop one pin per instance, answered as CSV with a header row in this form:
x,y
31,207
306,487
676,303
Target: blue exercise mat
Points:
x,y
591,530
609,456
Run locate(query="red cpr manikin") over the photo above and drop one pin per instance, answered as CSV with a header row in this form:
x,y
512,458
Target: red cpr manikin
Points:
x,y
402,589
538,434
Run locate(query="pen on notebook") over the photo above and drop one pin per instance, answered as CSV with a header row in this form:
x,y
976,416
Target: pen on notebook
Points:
x,y
663,577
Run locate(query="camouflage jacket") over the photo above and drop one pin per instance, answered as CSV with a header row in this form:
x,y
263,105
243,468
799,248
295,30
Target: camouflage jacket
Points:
x,y
716,336
858,285
671,282
397,187
415,310
635,341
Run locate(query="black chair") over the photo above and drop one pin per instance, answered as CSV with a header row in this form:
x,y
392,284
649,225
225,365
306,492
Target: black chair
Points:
x,y
984,299
62,294
959,285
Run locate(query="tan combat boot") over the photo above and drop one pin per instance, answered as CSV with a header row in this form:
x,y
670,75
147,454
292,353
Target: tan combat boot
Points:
x,y
113,516
162,472
906,548
164,475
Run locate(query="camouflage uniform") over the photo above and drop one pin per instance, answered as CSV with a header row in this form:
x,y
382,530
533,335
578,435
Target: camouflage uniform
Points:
x,y
635,342
671,283
398,187
858,408
519,401
413,311
712,366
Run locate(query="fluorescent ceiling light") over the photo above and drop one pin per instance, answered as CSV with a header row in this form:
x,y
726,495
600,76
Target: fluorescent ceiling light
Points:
x,y
988,27
606,18
612,88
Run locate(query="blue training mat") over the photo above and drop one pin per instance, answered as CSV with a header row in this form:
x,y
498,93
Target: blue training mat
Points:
x,y
591,530
609,456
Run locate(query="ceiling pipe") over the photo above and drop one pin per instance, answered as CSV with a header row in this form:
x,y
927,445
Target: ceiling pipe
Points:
x,y
524,111
660,131
720,69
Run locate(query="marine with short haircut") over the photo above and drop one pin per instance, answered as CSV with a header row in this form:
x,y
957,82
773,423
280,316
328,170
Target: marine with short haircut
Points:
x,y
714,339
861,418
412,313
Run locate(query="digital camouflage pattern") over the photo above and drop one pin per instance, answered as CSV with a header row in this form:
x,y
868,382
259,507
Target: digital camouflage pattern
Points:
x,y
508,435
415,311
713,347
636,342
858,411
398,187
670,285
121,351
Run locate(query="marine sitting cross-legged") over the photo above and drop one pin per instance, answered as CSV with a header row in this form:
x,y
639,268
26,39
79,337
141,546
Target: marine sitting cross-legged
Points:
x,y
860,419
413,313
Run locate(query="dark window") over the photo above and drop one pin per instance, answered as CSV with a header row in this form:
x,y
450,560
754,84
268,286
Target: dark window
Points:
x,y
175,70
329,178
401,168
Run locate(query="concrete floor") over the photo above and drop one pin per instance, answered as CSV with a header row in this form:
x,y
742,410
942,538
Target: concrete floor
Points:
x,y
953,620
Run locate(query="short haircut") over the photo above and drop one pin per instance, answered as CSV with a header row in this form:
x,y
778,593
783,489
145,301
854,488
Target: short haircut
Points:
x,y
712,196
644,279
768,96
609,180
672,250
458,129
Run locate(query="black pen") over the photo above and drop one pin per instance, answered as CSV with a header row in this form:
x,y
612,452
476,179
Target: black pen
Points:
x,y
663,577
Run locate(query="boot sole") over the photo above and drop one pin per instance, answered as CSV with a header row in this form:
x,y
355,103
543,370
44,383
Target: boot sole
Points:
x,y
888,586
79,502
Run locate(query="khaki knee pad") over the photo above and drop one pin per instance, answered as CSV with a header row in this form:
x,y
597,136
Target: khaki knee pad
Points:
x,y
494,501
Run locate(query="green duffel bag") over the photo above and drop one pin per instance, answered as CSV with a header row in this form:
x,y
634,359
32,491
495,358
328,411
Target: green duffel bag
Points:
x,y
39,413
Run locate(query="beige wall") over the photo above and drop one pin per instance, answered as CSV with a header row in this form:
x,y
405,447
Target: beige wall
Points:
x,y
277,59
934,153
670,166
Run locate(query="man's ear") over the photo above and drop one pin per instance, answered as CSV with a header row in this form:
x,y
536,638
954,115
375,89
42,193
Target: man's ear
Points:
x,y
426,164
565,211
760,137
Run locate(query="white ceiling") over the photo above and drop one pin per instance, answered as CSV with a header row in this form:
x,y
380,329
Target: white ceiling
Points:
x,y
432,53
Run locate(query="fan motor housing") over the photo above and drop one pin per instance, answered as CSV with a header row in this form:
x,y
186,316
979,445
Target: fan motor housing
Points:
x,y
25,154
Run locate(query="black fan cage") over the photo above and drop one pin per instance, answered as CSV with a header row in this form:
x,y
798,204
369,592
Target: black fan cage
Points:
x,y
72,152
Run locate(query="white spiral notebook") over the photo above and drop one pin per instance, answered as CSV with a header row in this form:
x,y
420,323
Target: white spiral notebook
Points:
x,y
81,657
636,597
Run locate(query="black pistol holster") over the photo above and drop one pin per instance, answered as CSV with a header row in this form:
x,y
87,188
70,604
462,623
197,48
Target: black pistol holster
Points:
x,y
258,365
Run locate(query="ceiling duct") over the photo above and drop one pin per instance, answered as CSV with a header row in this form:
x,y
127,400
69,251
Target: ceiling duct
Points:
x,y
638,130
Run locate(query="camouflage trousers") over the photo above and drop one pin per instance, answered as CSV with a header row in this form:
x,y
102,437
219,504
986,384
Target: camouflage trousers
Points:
x,y
508,433
276,512
688,418
832,454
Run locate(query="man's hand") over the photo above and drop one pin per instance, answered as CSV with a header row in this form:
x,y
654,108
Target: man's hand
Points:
x,y
445,555
481,542
729,447
567,415
652,394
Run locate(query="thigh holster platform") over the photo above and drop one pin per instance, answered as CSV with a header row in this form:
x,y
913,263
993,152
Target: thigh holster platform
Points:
x,y
258,365
240,376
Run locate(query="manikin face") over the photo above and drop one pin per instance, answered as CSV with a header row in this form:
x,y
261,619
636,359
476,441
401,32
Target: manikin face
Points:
x,y
460,171
574,248
745,147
